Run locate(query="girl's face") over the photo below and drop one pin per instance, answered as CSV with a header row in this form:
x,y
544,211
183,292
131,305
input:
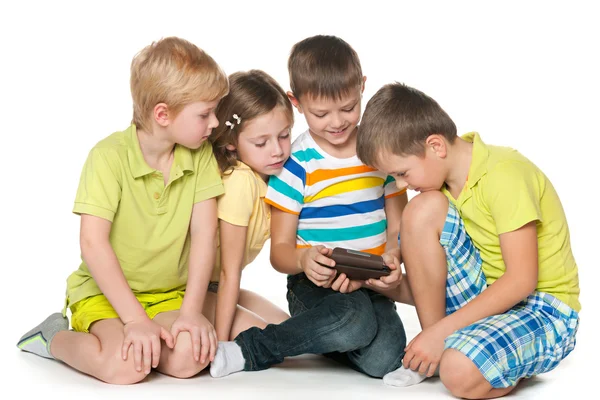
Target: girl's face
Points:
x,y
265,143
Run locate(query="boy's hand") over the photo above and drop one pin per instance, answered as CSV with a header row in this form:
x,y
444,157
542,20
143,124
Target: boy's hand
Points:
x,y
391,281
318,274
343,284
202,332
144,335
424,352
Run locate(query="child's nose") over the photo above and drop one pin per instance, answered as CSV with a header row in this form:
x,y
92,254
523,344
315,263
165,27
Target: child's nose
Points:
x,y
277,150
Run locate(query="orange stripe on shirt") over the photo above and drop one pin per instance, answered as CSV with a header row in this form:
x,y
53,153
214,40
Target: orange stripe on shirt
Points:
x,y
268,201
379,250
324,174
389,196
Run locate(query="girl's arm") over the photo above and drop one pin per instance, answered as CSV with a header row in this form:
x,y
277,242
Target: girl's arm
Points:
x,y
233,246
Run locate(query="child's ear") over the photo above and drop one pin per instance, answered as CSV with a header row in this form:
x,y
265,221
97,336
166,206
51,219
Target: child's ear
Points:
x,y
362,86
230,147
294,101
161,114
437,144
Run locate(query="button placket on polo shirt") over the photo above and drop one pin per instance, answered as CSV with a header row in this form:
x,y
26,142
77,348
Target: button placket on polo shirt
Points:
x,y
158,191
163,201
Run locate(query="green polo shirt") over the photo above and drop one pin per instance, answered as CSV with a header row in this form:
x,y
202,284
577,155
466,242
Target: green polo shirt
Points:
x,y
150,220
505,191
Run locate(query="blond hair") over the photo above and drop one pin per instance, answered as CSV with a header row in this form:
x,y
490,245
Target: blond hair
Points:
x,y
252,94
175,72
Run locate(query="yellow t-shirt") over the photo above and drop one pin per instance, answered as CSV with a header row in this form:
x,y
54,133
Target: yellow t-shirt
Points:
x,y
243,204
505,191
150,221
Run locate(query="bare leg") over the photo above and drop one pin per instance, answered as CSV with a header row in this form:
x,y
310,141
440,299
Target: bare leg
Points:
x,y
426,269
244,319
97,353
462,378
179,361
424,258
262,307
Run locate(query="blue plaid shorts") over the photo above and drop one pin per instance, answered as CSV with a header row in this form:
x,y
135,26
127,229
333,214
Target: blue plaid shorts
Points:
x,y
527,340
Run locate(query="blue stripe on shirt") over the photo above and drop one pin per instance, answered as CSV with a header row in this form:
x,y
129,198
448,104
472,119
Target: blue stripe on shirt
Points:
x,y
339,210
295,168
285,189
307,155
341,234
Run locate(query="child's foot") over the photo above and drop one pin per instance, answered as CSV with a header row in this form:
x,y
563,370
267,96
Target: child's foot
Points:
x,y
403,377
228,359
37,340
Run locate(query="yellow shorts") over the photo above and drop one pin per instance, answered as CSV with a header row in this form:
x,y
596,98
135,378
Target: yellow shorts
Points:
x,y
96,308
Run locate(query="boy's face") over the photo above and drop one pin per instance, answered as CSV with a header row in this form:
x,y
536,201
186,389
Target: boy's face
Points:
x,y
194,124
332,120
420,174
265,143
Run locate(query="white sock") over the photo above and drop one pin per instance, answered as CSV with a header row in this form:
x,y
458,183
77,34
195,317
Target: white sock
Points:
x,y
403,377
228,359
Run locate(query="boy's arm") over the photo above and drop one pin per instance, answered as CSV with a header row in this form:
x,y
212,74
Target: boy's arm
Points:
x,y
286,258
203,249
520,253
394,206
140,332
393,286
203,232
104,267
233,245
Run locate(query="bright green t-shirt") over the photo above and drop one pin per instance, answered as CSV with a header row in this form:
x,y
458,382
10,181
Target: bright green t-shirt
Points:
x,y
150,220
505,191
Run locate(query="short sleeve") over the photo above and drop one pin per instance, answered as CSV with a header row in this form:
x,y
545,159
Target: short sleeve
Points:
x,y
286,189
100,185
513,195
208,176
390,188
236,204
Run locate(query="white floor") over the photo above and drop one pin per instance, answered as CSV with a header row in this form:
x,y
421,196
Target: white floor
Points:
x,y
301,377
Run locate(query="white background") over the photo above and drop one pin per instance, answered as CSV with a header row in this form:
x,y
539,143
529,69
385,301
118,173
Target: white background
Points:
x,y
523,74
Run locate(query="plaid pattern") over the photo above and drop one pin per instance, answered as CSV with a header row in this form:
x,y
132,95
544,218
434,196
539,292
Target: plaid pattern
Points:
x,y
465,275
527,340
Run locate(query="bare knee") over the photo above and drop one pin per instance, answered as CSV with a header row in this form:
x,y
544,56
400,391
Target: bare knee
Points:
x,y
426,210
461,377
180,362
116,371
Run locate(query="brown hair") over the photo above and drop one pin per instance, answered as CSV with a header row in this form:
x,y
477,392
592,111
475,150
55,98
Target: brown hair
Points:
x,y
324,66
398,119
175,72
251,94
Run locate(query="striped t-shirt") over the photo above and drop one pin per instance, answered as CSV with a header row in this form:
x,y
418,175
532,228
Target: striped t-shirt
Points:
x,y
339,202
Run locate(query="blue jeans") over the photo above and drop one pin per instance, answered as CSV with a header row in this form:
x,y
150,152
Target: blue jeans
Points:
x,y
361,329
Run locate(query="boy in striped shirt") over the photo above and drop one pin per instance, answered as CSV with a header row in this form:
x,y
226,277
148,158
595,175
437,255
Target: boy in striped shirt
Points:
x,y
325,197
